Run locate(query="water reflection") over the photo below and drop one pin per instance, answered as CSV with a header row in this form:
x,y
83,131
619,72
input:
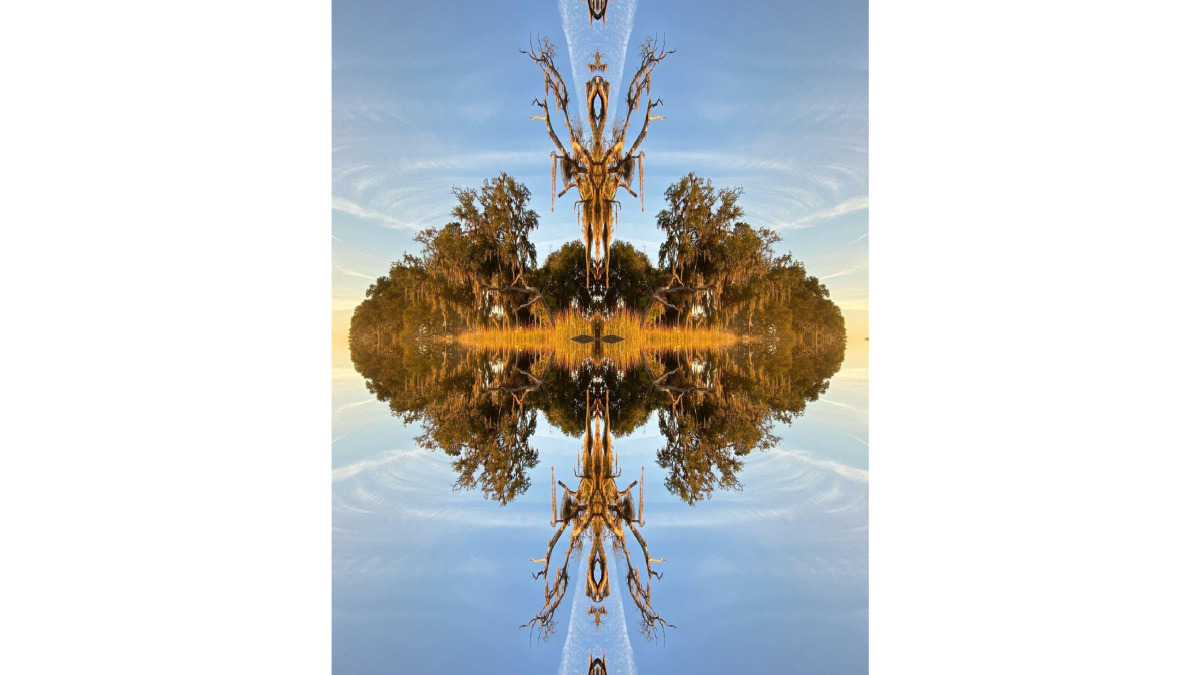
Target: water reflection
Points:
x,y
596,508
481,408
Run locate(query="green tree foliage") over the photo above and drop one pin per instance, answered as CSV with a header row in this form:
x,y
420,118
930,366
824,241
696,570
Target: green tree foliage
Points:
x,y
696,222
564,279
497,225
451,285
409,304
746,288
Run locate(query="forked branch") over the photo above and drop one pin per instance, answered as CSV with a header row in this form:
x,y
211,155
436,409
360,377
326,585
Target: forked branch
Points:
x,y
651,620
519,393
530,291
651,54
543,53
553,593
660,295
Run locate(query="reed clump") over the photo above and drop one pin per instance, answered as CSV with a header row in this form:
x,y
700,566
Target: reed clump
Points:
x,y
636,339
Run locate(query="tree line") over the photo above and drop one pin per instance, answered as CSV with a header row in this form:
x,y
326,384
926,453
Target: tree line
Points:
x,y
714,269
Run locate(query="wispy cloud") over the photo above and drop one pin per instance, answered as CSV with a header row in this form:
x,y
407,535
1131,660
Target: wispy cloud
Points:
x,y
346,245
353,273
341,172
491,161
843,273
849,206
832,177
848,472
723,160
350,471
361,112
347,406
349,207
847,406
363,176
367,502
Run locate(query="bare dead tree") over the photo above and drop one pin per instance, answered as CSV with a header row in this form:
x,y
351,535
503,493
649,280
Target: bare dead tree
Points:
x,y
553,593
597,167
597,508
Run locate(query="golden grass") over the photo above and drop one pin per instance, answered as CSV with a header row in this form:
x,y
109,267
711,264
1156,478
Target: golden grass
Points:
x,y
626,324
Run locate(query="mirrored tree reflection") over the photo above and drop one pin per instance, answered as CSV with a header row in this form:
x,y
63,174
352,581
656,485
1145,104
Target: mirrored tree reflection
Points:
x,y
481,407
597,511
470,406
712,407
715,408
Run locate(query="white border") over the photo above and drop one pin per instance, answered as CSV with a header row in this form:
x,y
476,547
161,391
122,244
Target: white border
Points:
x,y
1034,234
166,296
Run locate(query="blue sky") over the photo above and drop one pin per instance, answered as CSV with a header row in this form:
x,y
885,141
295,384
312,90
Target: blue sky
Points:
x,y
771,96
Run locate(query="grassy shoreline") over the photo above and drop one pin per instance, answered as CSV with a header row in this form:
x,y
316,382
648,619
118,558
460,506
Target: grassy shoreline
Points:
x,y
626,324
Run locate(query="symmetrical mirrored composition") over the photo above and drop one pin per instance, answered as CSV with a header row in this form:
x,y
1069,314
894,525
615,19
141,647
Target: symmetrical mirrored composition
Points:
x,y
662,409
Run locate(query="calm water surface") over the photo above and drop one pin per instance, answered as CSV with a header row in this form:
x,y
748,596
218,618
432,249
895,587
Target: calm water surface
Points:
x,y
765,553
